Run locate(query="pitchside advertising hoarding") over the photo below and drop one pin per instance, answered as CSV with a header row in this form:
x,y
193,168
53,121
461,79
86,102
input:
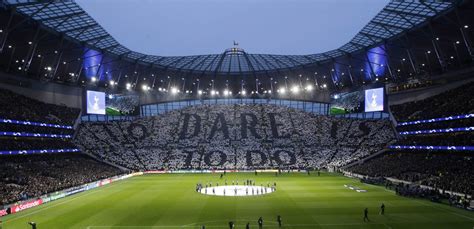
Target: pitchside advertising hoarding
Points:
x,y
3,212
23,205
374,99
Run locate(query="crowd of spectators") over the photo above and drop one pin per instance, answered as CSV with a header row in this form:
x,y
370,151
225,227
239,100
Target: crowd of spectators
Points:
x,y
27,176
453,102
19,107
439,139
22,108
35,144
34,129
234,136
439,125
450,171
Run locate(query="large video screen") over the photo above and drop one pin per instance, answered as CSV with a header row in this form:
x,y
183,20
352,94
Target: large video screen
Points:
x,y
95,102
374,100
346,103
122,104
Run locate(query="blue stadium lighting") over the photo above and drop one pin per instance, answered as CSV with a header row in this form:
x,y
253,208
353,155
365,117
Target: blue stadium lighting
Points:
x,y
34,135
91,63
28,123
22,152
435,131
378,60
337,69
453,148
449,118
94,66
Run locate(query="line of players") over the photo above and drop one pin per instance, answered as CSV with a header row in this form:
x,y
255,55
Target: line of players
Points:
x,y
247,226
262,190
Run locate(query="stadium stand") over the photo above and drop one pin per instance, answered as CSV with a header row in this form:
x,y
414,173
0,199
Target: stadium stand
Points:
x,y
234,136
25,122
19,107
35,144
441,105
441,170
27,176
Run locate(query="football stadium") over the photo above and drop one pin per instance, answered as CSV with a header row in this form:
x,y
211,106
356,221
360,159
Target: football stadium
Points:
x,y
155,114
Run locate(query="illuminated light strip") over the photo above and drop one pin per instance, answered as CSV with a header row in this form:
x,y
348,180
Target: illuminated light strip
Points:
x,y
39,151
449,118
463,148
34,135
435,131
28,123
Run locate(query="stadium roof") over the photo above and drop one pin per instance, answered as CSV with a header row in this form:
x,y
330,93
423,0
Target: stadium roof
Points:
x,y
68,18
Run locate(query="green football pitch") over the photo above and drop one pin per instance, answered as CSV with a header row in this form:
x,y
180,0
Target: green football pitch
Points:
x,y
170,201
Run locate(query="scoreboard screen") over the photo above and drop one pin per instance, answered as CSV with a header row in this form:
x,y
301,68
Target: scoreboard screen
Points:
x,y
374,99
95,102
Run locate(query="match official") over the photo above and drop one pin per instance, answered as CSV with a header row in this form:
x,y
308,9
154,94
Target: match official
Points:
x,y
366,215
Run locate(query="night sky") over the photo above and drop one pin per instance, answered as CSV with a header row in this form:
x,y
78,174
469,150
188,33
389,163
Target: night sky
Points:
x,y
192,27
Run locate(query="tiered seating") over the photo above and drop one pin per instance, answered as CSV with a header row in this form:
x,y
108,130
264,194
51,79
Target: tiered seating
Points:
x,y
443,170
28,176
234,136
23,118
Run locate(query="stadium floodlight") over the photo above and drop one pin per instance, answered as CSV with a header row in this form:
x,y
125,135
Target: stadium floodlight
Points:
x,y
226,92
199,92
112,82
282,90
93,79
174,90
269,91
295,89
325,85
128,86
243,92
145,87
309,87
213,92
48,68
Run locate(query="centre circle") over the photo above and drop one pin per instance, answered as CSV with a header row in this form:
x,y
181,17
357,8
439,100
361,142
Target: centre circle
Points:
x,y
237,190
